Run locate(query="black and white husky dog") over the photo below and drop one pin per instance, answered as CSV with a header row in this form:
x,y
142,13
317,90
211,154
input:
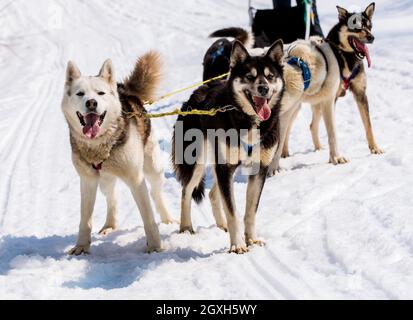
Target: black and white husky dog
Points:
x,y
253,90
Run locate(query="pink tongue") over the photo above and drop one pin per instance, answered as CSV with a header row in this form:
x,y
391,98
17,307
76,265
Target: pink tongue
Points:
x,y
367,53
262,107
91,129
363,48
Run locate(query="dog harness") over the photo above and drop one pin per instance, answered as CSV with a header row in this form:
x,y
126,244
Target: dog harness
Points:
x,y
248,148
218,53
97,167
353,75
305,70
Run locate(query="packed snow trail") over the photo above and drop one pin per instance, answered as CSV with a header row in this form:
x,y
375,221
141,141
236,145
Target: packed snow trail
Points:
x,y
331,232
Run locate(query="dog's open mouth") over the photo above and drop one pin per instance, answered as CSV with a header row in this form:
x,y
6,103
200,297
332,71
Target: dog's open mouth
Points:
x,y
361,49
91,123
260,105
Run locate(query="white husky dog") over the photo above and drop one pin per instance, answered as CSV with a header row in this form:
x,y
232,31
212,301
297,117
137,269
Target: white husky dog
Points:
x,y
107,144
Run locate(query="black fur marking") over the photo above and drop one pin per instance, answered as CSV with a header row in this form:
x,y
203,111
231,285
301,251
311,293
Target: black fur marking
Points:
x,y
262,176
199,192
225,174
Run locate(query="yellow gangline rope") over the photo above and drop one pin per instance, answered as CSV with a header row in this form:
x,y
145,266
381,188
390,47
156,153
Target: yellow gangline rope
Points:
x,y
196,85
211,113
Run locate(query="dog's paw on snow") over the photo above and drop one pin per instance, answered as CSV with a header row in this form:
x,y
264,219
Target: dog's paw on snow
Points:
x,y
223,227
189,229
170,221
106,230
239,249
154,249
80,250
255,242
273,172
338,160
376,150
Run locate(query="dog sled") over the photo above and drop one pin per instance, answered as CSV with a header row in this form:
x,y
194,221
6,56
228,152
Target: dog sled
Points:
x,y
285,22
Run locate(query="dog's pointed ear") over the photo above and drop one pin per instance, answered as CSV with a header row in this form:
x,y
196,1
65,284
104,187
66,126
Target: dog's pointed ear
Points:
x,y
342,13
107,72
369,12
239,54
72,72
276,52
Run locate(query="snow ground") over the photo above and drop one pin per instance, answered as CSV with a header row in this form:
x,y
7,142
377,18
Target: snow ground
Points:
x,y
341,232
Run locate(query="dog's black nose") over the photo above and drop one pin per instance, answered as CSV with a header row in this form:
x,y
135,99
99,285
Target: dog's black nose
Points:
x,y
92,104
370,38
263,90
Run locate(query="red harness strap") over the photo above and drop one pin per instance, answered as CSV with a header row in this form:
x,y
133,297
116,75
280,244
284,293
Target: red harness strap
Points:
x,y
97,167
353,75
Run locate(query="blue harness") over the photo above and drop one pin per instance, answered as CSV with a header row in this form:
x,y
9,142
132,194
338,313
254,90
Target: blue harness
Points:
x,y
248,148
295,61
219,53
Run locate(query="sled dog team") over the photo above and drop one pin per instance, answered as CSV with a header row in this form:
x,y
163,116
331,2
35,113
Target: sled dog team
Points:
x,y
265,88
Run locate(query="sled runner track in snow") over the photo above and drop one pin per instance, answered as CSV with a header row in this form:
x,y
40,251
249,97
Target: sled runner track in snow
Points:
x,y
330,232
16,154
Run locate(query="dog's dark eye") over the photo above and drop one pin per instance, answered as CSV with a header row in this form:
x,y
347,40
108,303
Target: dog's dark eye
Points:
x,y
80,94
101,93
270,77
250,77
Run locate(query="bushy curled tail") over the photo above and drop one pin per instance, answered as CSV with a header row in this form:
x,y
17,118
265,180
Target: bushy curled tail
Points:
x,y
243,36
144,80
184,172
199,193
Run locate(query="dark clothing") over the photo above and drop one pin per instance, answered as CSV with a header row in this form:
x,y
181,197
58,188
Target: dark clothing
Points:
x,y
317,26
286,4
281,4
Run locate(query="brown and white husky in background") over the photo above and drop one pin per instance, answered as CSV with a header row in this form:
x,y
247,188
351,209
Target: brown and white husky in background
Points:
x,y
107,144
336,64
348,40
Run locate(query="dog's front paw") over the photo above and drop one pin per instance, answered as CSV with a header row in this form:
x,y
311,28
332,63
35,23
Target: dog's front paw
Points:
x,y
223,227
273,172
185,229
170,221
154,249
338,160
238,249
79,250
107,230
285,154
255,242
376,150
